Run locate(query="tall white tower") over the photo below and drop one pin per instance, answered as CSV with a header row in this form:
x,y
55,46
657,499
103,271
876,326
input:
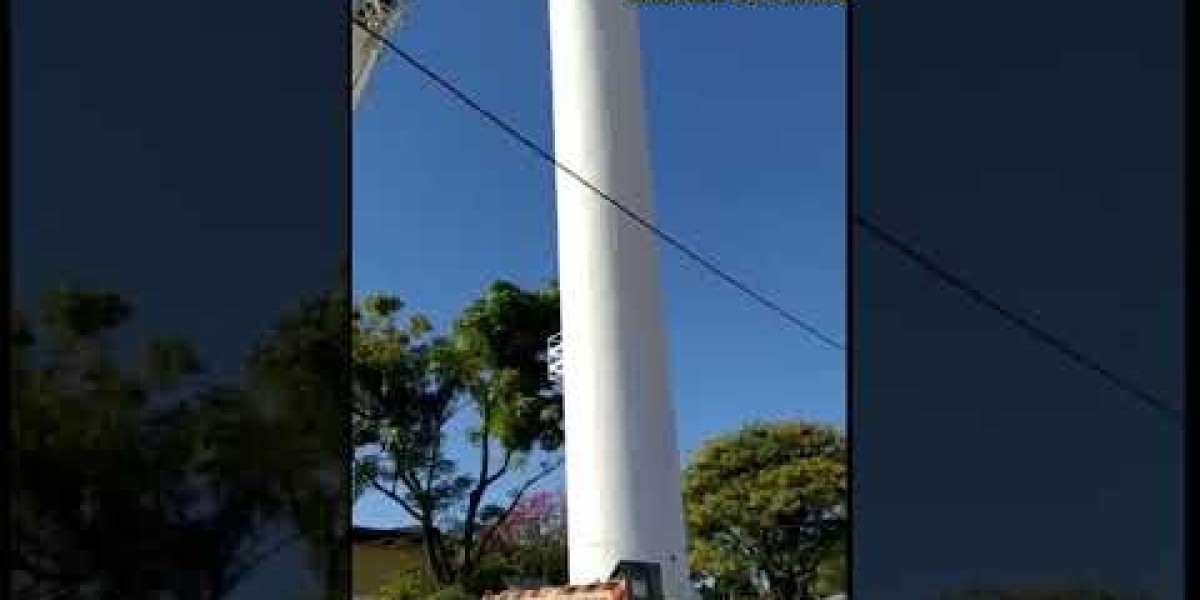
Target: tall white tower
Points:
x,y
622,460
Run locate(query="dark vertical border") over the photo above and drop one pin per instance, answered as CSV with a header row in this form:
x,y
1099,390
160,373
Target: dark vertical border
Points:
x,y
192,159
348,291
1189,247
1029,116
849,312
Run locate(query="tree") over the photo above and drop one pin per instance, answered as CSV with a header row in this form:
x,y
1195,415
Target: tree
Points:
x,y
831,572
534,538
408,385
767,501
135,481
297,376
720,574
407,583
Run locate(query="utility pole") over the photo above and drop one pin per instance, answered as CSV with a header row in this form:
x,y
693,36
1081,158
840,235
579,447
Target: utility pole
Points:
x,y
622,457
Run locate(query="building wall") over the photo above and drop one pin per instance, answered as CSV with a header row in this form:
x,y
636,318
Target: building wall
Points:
x,y
372,565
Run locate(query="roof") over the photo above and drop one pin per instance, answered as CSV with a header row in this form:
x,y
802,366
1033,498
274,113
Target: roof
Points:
x,y
385,537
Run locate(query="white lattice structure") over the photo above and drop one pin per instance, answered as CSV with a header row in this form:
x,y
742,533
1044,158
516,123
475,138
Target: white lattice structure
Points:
x,y
381,16
554,358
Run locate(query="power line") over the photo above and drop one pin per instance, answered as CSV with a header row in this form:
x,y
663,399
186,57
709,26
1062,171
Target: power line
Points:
x,y
542,153
1017,320
892,241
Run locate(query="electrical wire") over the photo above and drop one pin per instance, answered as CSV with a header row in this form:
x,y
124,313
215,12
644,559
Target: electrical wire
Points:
x,y
1018,321
1053,341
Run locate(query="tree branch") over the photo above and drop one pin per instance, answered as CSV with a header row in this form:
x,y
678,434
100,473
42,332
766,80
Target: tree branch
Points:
x,y
520,493
482,483
411,482
435,451
494,477
238,574
397,498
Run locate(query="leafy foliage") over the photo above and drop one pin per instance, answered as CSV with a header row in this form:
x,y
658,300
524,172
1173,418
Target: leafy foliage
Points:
x,y
408,385
831,572
767,501
144,481
453,592
297,376
533,538
407,584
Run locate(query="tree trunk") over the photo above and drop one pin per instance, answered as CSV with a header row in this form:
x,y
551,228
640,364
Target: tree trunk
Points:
x,y
784,587
433,550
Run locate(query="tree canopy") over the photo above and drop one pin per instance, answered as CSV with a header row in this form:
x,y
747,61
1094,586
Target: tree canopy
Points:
x,y
767,503
409,383
138,478
533,538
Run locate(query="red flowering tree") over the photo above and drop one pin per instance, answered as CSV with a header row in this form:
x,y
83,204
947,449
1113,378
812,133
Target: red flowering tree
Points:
x,y
533,538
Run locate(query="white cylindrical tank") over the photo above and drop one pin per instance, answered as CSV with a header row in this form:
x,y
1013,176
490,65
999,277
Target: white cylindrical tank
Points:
x,y
622,460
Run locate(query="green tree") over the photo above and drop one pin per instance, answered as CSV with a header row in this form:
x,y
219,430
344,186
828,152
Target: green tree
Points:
x,y
139,478
410,383
407,583
124,477
721,574
533,538
727,586
297,376
831,572
767,501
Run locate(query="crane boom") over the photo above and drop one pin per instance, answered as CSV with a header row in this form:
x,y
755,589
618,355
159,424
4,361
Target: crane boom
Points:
x,y
381,16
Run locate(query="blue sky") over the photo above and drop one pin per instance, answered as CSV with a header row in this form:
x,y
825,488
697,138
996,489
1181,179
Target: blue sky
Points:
x,y
746,110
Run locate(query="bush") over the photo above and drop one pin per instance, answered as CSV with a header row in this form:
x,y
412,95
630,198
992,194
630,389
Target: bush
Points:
x,y
453,592
407,584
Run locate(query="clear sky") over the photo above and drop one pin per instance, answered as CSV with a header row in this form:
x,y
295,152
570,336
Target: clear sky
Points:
x,y
746,110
